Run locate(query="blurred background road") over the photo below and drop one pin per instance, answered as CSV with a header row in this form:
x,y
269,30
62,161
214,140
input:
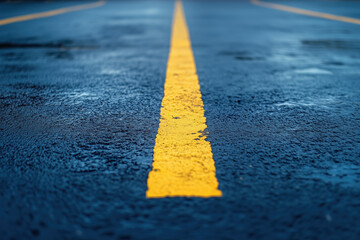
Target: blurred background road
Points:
x,y
80,100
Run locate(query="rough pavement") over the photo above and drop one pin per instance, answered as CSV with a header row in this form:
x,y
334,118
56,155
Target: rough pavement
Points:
x,y
80,98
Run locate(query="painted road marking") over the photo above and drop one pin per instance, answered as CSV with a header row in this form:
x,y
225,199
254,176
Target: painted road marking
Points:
x,y
306,12
183,164
50,13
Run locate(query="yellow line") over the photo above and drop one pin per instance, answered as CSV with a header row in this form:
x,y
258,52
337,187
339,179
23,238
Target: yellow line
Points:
x,y
306,12
183,164
50,13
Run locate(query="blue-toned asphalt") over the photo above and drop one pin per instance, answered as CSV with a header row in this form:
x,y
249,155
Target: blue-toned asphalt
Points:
x,y
80,97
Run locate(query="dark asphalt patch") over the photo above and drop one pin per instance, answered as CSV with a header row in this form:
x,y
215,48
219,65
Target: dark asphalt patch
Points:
x,y
333,44
14,56
60,55
241,55
123,30
334,63
246,58
65,45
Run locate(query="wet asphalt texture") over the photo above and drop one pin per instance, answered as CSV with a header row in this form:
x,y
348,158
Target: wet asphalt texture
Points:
x,y
80,98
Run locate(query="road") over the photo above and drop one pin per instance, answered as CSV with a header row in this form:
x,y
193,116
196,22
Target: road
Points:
x,y
94,119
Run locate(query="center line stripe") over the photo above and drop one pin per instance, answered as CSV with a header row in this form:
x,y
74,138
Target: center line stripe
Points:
x,y
50,13
306,12
183,164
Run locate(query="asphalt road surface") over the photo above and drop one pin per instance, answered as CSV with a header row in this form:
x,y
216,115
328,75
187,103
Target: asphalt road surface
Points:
x,y
80,104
